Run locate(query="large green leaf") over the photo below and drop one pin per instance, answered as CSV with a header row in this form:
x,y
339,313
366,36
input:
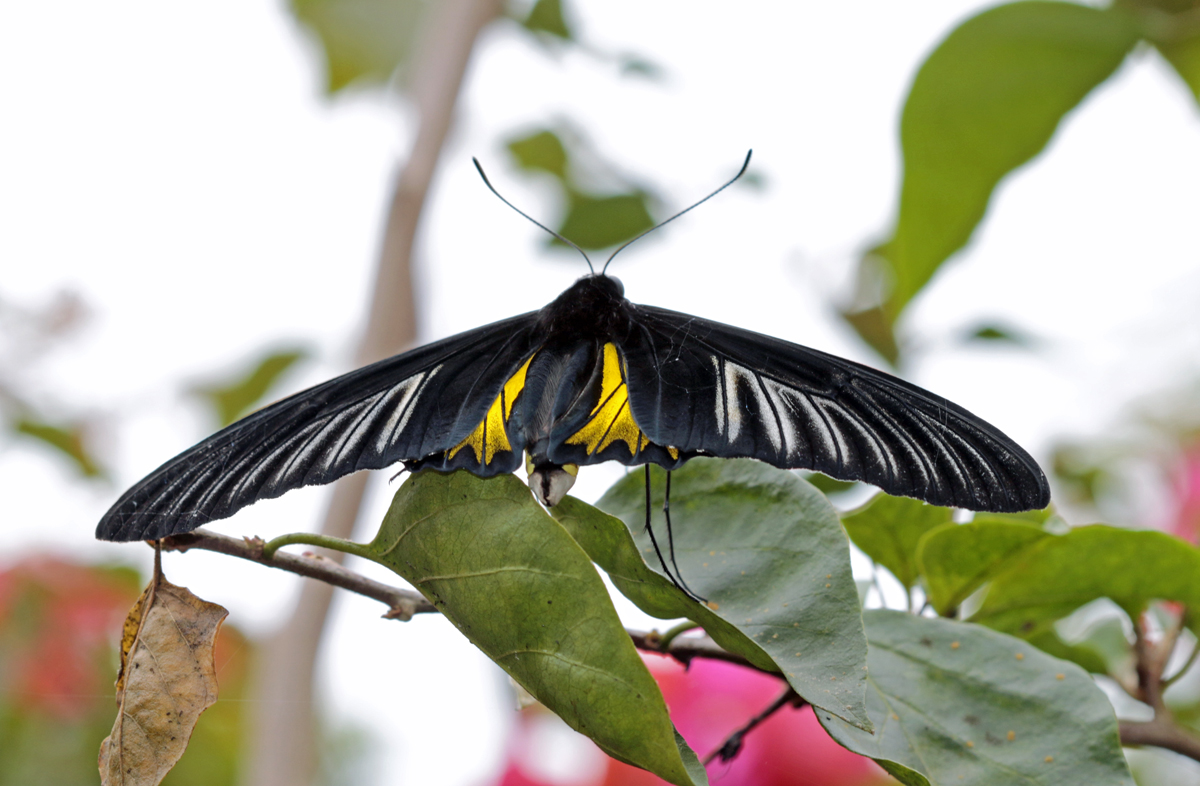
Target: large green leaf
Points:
x,y
888,529
955,703
956,560
766,550
521,589
1051,577
230,400
362,40
987,100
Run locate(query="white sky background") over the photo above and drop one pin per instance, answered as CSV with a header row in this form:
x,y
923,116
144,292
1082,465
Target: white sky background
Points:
x,y
178,166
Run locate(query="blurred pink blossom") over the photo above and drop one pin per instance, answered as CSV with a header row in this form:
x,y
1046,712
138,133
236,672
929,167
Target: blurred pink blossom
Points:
x,y
707,702
1186,522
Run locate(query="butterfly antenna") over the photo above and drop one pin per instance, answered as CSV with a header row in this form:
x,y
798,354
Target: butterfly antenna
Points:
x,y
534,221
735,178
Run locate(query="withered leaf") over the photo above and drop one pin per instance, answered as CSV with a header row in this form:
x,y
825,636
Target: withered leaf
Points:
x,y
167,679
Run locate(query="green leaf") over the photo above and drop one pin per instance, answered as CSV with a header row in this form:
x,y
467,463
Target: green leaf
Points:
x,y
874,326
987,100
362,40
888,529
957,559
67,439
998,334
234,399
1183,53
1049,642
1050,577
955,703
541,151
546,16
600,222
765,548
514,582
827,485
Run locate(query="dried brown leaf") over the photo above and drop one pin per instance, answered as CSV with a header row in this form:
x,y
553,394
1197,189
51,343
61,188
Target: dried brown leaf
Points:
x,y
167,679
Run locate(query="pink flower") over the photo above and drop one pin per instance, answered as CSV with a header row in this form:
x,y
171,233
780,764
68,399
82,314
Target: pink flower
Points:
x,y
707,702
1186,523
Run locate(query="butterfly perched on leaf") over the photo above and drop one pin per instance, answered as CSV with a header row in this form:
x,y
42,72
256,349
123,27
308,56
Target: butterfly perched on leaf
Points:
x,y
592,377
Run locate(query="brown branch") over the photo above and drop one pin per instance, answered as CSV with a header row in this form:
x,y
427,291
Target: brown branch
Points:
x,y
1152,660
732,745
402,604
685,648
1161,733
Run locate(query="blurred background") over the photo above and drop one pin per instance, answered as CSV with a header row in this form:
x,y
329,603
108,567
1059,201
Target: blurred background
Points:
x,y
205,207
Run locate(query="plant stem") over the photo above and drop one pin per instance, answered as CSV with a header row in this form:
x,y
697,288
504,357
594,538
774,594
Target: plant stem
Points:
x,y
670,635
315,539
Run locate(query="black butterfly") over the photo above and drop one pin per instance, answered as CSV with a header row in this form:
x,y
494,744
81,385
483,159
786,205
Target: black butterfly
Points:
x,y
592,377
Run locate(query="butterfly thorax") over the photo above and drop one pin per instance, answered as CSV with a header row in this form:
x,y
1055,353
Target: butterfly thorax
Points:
x,y
594,307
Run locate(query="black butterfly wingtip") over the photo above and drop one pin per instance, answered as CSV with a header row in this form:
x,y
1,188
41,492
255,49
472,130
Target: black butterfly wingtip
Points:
x,y
1032,496
120,525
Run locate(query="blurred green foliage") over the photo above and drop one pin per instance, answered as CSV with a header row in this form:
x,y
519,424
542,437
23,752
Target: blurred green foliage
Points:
x,y
363,41
232,399
888,529
986,101
593,220
68,440
59,625
546,16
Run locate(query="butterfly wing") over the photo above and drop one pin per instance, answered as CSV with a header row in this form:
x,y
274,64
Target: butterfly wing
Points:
x,y
703,387
405,408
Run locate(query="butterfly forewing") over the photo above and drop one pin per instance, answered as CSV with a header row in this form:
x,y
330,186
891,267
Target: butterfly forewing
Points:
x,y
420,404
705,387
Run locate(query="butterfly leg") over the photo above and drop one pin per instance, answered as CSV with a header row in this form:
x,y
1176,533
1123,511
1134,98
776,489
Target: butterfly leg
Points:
x,y
671,541
654,542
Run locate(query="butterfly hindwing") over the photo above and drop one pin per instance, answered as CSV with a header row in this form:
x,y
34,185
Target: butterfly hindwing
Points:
x,y
709,388
599,425
420,405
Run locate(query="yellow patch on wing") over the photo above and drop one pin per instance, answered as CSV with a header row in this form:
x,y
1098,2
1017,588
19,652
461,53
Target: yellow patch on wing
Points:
x,y
491,436
611,420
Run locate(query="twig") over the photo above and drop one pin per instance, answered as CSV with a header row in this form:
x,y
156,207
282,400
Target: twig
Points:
x,y
732,745
1187,665
1151,661
684,649
1161,733
402,604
